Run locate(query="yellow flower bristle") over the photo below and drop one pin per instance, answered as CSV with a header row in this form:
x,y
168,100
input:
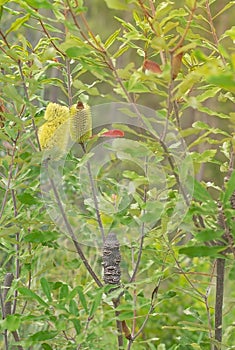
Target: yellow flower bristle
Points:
x,y
80,122
54,133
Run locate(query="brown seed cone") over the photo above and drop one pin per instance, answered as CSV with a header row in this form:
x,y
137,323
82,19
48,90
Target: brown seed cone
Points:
x,y
111,260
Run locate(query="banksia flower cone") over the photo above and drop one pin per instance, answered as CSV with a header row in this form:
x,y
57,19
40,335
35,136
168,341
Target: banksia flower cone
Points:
x,y
80,122
53,135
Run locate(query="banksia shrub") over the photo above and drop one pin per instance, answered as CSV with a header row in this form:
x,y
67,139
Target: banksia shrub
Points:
x,y
53,134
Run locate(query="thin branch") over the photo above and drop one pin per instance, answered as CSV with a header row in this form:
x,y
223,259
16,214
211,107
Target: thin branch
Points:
x,y
152,306
118,324
69,87
17,272
10,174
186,29
94,195
142,234
51,39
27,97
149,19
220,270
208,290
213,31
72,235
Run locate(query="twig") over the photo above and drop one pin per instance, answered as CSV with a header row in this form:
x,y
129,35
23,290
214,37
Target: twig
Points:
x,y
118,324
220,270
149,19
213,31
72,235
94,195
206,303
186,29
17,272
4,201
152,306
142,235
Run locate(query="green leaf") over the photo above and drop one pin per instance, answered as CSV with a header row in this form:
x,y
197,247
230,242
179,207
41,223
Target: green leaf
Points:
x,y
37,236
2,2
77,325
45,346
73,309
224,80
38,4
199,251
232,273
111,39
116,4
30,294
200,192
12,322
168,295
64,291
96,302
230,188
18,23
204,157
43,335
46,288
208,235
82,298
27,198
76,52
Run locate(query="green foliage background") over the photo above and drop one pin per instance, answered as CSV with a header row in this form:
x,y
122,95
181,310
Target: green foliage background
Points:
x,y
94,51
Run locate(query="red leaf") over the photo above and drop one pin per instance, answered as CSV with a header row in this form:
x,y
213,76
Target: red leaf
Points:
x,y
151,66
113,133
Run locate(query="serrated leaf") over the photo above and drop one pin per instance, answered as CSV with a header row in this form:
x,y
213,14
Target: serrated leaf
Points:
x,y
203,157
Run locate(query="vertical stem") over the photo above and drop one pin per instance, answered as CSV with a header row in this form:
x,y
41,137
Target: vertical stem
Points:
x,y
17,247
220,269
118,325
94,195
72,235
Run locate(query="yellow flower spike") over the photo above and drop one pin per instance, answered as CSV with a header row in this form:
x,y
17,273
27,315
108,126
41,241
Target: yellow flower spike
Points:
x,y
80,122
54,135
